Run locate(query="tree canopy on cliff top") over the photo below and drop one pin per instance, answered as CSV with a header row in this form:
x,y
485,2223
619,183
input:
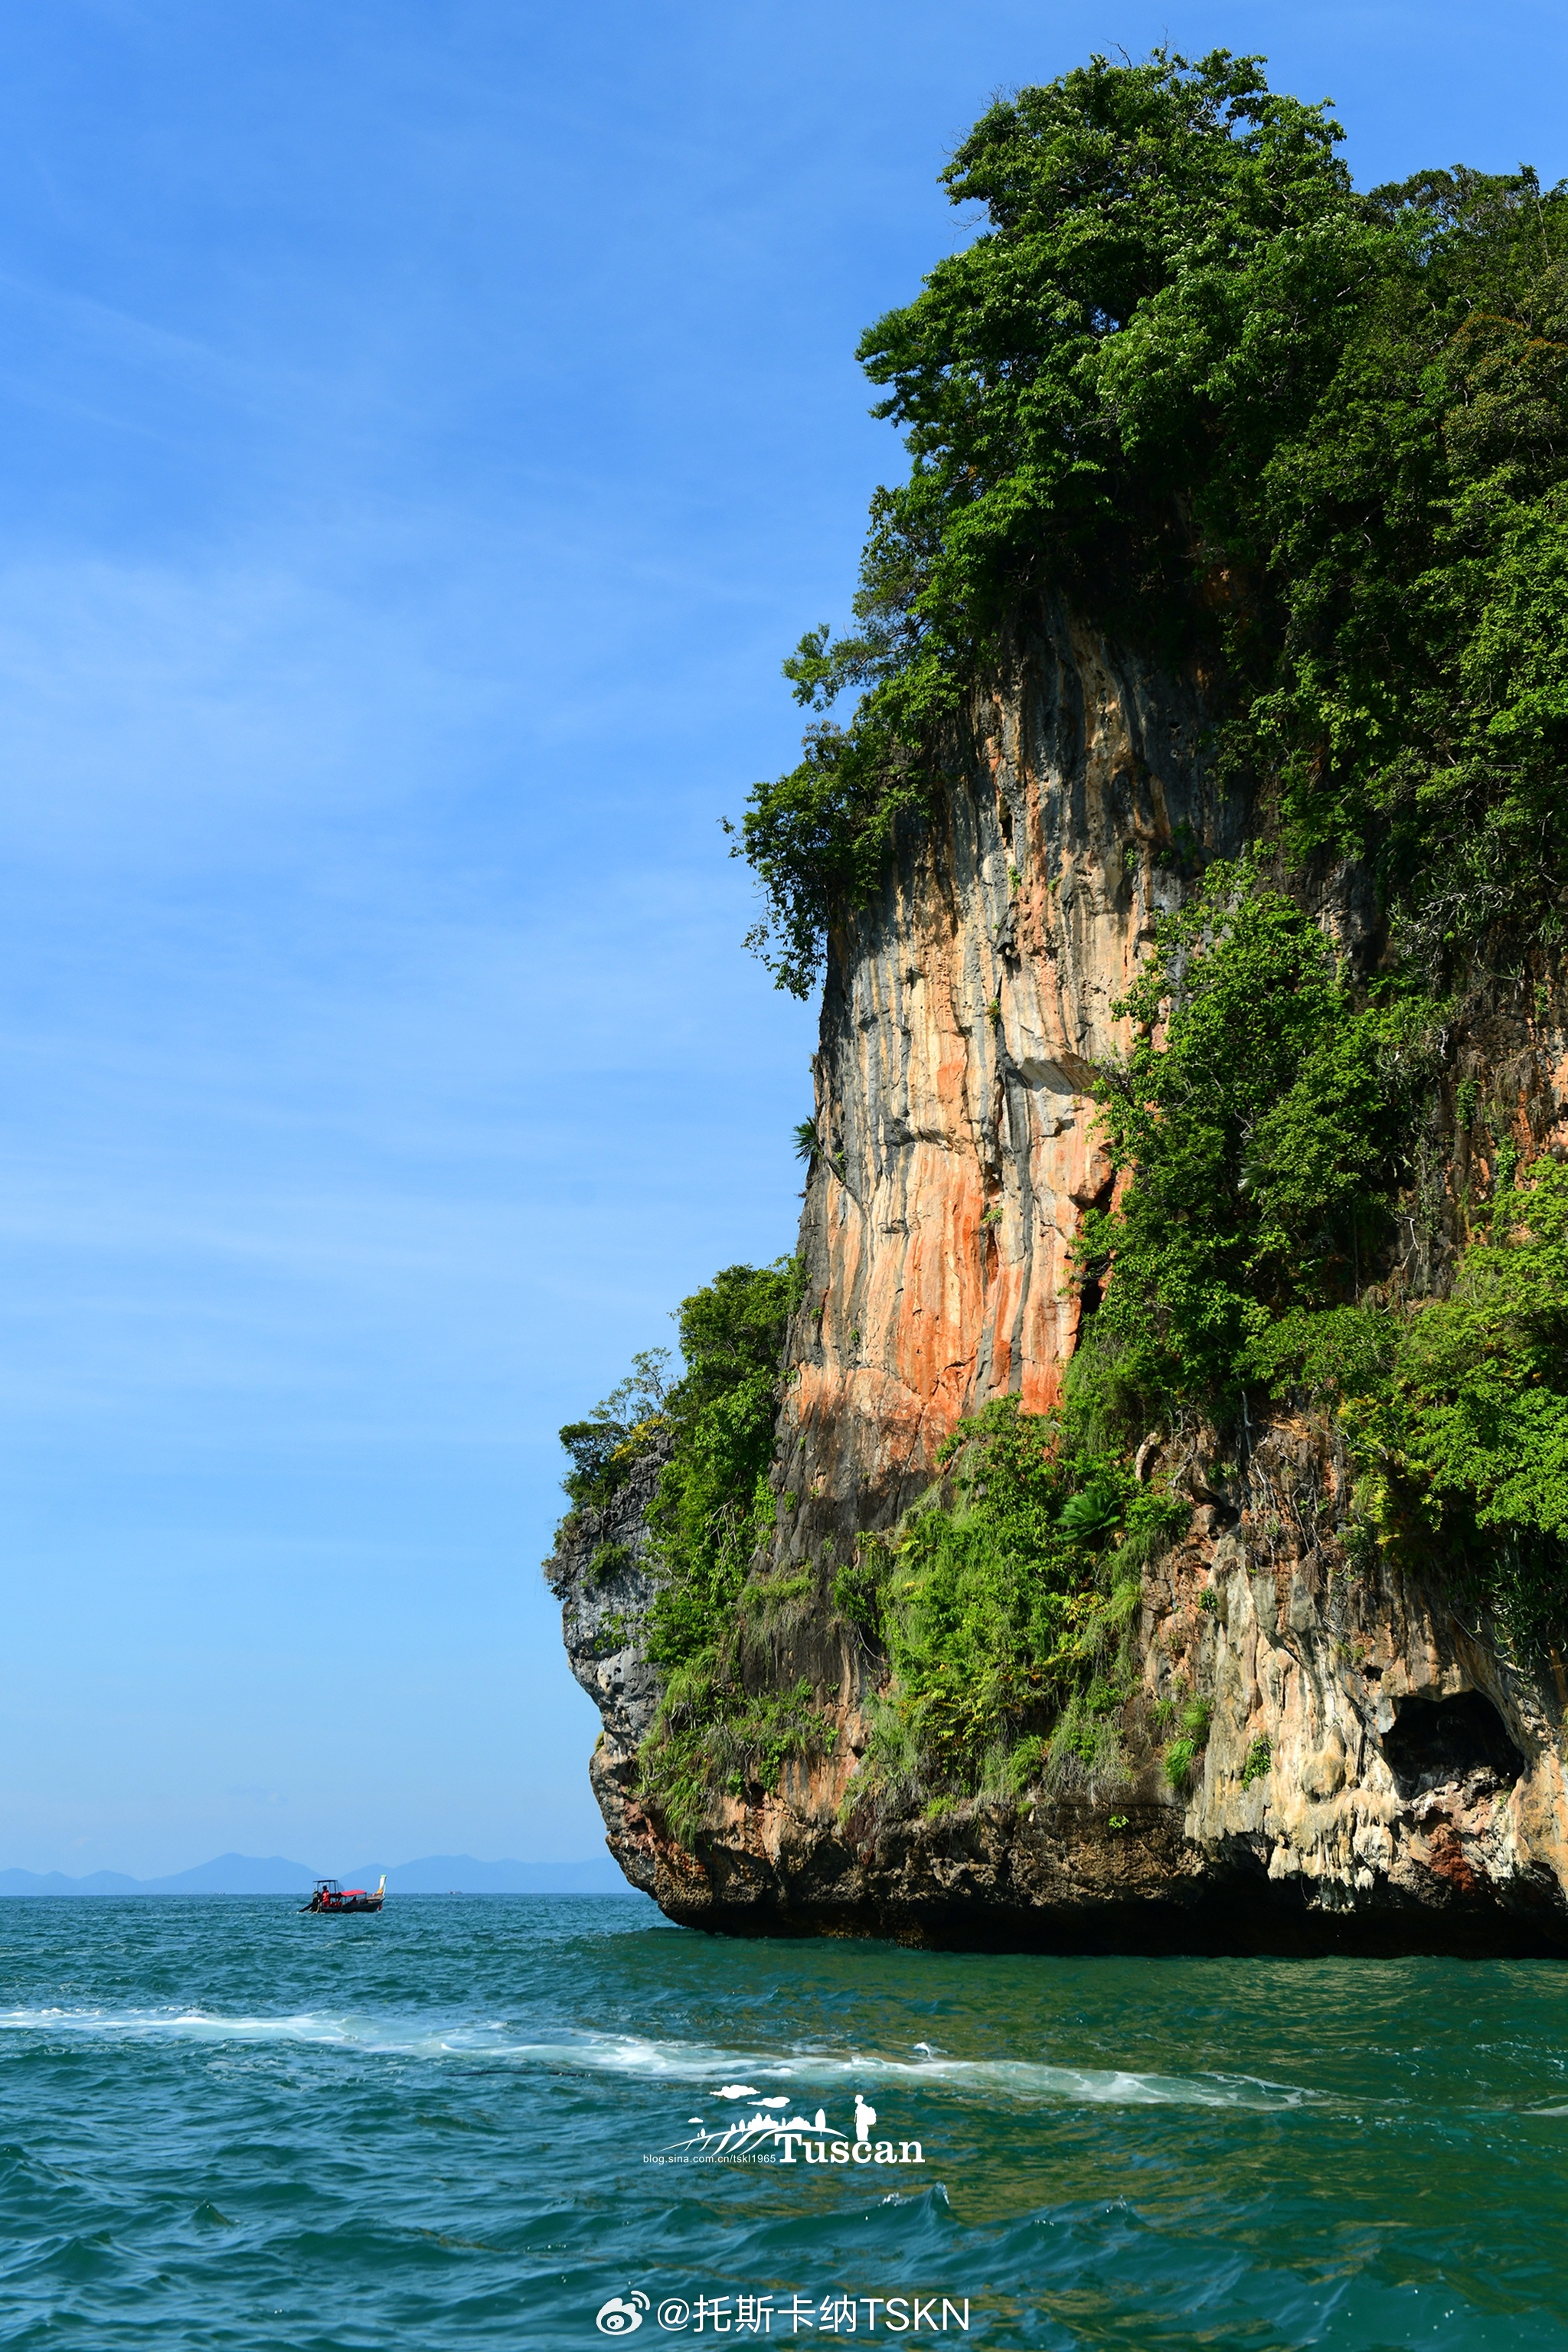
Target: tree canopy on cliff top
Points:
x,y
1191,379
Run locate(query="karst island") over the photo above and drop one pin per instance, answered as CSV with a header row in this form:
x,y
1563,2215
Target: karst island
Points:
x,y
1134,1516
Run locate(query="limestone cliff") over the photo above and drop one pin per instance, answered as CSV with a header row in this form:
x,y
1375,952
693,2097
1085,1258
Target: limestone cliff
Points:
x,y
1414,1797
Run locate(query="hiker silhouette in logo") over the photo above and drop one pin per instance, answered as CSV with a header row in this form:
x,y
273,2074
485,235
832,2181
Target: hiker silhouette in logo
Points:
x,y
865,2118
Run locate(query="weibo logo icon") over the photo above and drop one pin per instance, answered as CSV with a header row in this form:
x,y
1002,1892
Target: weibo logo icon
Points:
x,y
621,2314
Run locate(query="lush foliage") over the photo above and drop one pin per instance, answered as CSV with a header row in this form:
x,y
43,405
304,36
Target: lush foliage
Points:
x,y
1465,1439
604,1447
1004,1603
713,1505
1189,377
1411,693
711,1514
1264,1117
1264,1122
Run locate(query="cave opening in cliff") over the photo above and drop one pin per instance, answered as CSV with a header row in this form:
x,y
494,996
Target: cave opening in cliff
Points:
x,y
1435,1742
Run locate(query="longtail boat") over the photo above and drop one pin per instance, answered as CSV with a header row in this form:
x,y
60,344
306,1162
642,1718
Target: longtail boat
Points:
x,y
329,1897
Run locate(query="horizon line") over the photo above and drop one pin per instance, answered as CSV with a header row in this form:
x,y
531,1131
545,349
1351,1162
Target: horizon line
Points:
x,y
304,1873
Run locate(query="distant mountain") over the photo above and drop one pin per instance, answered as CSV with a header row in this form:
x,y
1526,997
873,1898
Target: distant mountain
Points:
x,y
237,1874
245,1873
231,1874
53,1882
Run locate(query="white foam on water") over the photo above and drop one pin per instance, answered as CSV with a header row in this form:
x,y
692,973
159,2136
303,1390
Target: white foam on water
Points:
x,y
1020,2082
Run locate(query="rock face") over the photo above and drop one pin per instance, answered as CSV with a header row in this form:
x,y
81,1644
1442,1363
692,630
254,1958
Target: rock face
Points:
x,y
1377,1777
963,1011
601,1577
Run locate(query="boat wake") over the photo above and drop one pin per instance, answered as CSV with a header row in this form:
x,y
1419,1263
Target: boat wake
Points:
x,y
1019,2082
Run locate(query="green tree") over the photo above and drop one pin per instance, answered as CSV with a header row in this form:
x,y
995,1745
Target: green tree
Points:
x,y
1465,1441
1002,1602
1188,378
604,1447
1160,292
714,1505
1261,1117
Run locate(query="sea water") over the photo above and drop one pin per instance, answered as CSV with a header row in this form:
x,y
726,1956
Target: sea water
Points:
x,y
544,2122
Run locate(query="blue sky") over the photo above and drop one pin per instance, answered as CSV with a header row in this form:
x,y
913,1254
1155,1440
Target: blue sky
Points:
x,y
422,430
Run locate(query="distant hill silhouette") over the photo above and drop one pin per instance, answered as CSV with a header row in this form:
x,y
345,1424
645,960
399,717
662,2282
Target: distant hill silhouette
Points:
x,y
247,1873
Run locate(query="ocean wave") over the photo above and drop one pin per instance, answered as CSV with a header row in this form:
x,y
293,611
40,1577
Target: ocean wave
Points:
x,y
1022,2081
1019,2081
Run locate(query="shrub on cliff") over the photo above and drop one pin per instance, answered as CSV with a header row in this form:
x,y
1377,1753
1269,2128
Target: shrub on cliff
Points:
x,y
1189,377
604,1447
713,1504
1464,1442
711,1511
1261,1123
1005,1600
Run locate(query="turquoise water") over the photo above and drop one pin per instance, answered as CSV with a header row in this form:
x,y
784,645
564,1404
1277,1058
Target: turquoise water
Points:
x,y
223,2125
